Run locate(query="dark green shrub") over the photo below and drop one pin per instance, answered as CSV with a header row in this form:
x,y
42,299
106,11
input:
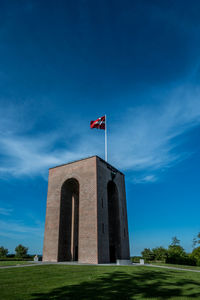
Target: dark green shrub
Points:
x,y
3,252
148,255
15,259
135,259
196,255
160,253
177,255
21,251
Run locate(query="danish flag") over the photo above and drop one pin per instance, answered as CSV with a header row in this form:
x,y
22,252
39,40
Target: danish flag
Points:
x,y
99,123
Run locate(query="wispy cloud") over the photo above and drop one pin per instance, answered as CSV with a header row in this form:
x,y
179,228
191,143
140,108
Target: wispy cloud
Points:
x,y
144,140
149,137
17,230
14,228
144,179
33,156
5,211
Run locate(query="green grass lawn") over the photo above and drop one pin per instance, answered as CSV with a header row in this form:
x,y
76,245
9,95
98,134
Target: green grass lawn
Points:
x,y
14,263
176,266
97,282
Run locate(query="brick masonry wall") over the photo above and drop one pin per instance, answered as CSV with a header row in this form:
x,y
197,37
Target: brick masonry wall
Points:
x,y
84,172
93,175
104,175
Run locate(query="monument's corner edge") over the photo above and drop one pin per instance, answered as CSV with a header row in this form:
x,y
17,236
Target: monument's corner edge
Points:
x,y
110,166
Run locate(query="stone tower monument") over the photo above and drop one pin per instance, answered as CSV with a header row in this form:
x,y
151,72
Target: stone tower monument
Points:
x,y
86,215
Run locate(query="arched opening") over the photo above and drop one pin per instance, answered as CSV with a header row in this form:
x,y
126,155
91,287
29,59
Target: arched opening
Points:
x,y
114,222
69,219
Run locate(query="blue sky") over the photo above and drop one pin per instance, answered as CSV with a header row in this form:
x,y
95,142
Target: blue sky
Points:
x,y
65,63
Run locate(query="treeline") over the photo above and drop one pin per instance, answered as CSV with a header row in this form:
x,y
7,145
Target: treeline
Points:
x,y
21,252
174,254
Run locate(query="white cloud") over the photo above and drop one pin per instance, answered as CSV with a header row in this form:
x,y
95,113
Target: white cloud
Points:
x,y
147,138
16,229
33,156
143,141
145,179
6,211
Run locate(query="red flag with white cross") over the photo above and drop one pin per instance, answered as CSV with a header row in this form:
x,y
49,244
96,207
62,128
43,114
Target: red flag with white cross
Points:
x,y
99,123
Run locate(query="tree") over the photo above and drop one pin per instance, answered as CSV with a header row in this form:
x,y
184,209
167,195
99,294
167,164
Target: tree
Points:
x,y
21,251
177,255
147,254
196,255
3,251
159,253
175,241
194,242
198,237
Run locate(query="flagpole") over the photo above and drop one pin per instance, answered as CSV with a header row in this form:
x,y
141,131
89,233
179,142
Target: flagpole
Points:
x,y
106,144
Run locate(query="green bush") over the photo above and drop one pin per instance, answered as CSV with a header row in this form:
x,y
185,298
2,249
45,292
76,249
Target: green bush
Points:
x,y
135,259
148,255
160,253
21,251
177,255
3,252
16,259
196,255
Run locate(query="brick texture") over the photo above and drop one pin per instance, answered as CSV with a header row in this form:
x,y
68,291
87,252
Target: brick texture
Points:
x,y
92,224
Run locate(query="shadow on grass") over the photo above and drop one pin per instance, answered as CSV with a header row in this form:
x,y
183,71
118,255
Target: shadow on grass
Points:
x,y
121,285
